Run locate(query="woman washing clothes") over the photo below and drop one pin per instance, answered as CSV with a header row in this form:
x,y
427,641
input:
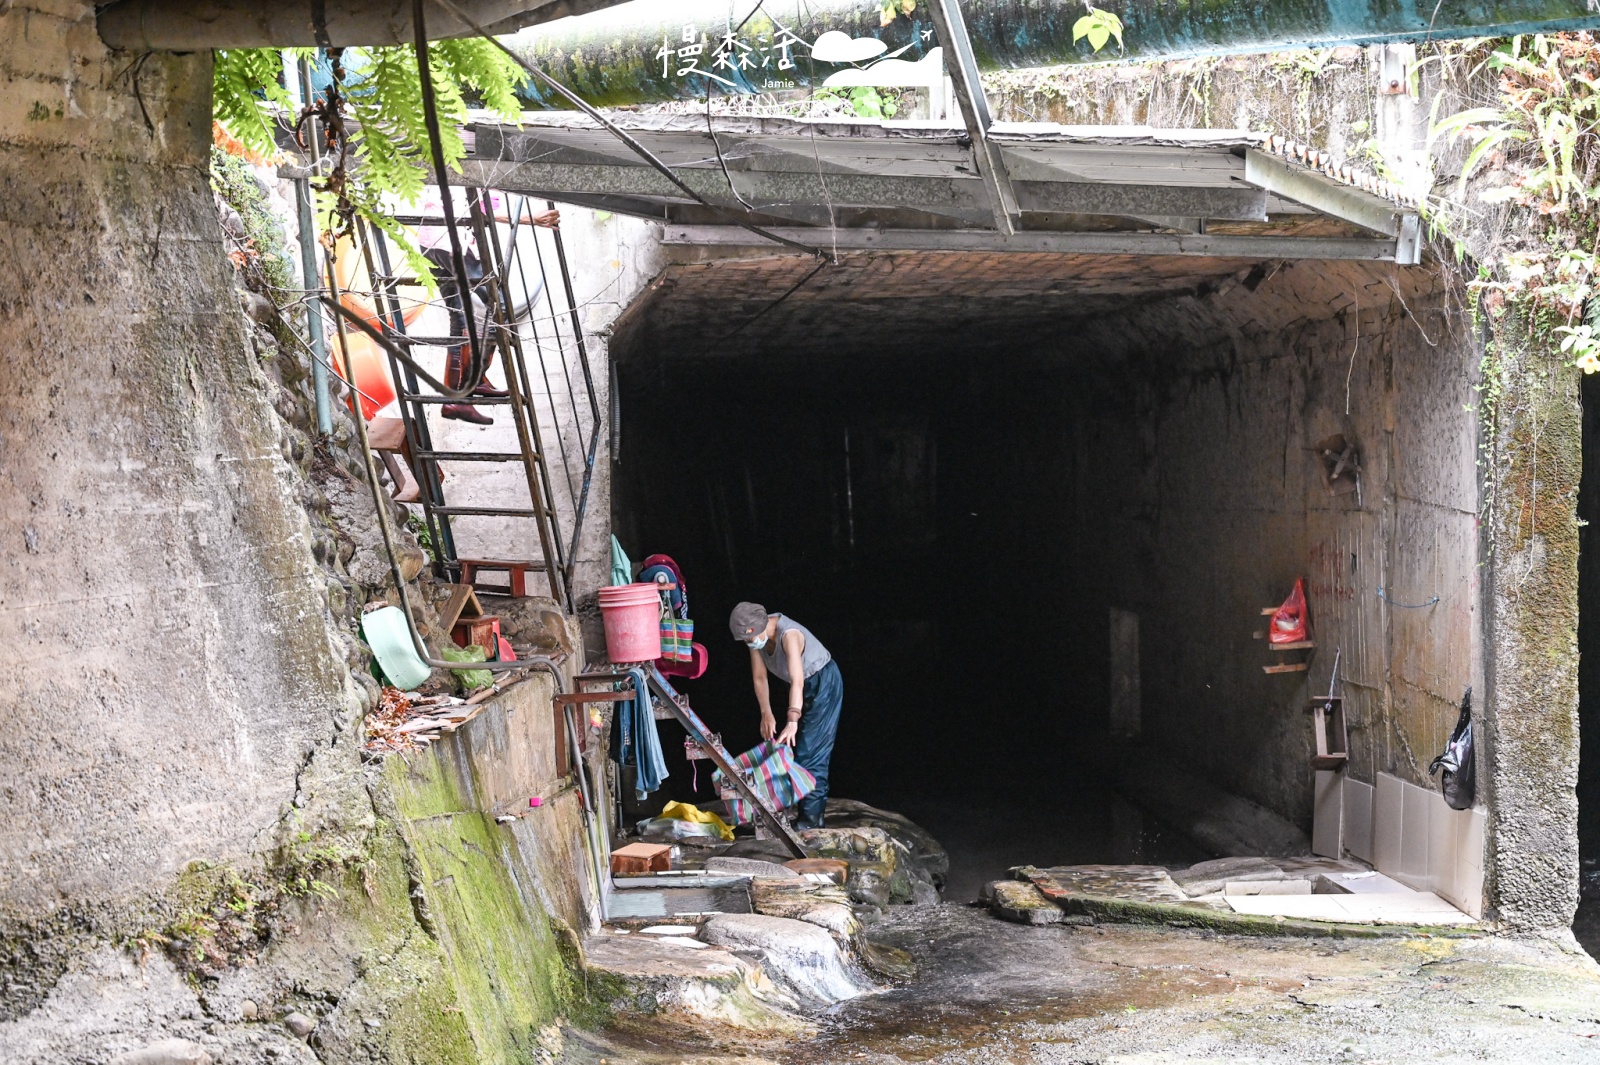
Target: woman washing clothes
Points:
x,y
787,650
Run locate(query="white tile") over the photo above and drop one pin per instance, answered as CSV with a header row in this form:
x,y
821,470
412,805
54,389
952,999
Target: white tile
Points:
x,y
1327,814
1470,891
1387,801
1411,907
1414,819
1470,845
1469,850
1444,861
1357,823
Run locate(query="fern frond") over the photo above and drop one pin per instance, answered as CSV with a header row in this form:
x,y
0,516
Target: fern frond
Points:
x,y
244,82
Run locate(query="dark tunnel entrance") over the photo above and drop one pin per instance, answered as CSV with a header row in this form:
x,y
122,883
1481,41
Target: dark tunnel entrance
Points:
x,y
954,480
917,519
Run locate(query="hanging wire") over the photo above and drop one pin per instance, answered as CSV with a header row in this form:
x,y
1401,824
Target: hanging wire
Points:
x,y
1408,606
458,262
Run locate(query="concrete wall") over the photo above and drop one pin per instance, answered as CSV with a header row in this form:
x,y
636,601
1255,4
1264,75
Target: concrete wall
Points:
x,y
166,671
611,258
1202,457
193,846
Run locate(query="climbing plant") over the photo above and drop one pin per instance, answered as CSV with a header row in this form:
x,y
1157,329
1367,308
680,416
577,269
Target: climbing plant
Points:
x,y
1539,135
381,154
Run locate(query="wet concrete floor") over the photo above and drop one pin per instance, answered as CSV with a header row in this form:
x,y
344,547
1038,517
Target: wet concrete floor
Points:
x,y
991,992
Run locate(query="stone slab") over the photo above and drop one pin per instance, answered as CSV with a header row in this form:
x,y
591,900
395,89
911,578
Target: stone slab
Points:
x,y
654,957
1143,883
749,867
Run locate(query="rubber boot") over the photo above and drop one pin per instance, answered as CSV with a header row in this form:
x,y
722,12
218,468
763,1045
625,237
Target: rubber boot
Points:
x,y
461,412
484,387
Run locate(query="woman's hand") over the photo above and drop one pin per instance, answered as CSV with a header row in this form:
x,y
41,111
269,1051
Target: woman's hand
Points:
x,y
786,737
548,219
769,725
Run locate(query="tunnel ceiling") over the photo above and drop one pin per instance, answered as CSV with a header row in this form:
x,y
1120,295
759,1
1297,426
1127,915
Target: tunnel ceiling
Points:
x,y
895,303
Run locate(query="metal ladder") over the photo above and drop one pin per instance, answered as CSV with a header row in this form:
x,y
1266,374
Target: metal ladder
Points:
x,y
509,326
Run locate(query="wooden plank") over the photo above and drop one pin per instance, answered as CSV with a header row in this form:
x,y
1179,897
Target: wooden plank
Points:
x,y
463,600
594,697
1298,645
1291,667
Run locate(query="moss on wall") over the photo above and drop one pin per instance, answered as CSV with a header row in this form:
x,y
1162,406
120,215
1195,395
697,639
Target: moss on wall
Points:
x,y
506,961
1533,455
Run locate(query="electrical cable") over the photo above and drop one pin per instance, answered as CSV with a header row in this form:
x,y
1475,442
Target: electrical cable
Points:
x,y
617,131
464,287
1408,606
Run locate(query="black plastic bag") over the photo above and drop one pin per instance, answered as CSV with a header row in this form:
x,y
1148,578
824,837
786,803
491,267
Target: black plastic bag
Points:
x,y
1457,782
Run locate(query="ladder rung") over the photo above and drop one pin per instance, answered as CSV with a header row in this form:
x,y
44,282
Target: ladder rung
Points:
x,y
476,401
474,456
488,512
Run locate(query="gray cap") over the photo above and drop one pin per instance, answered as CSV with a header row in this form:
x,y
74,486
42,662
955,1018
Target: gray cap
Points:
x,y
747,619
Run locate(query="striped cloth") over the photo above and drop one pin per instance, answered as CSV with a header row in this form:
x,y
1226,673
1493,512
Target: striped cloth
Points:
x,y
772,773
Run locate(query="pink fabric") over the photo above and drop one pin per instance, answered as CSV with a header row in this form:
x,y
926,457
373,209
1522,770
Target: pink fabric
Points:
x,y
432,206
687,670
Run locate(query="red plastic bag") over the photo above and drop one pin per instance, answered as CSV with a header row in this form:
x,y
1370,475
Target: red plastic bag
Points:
x,y
1289,622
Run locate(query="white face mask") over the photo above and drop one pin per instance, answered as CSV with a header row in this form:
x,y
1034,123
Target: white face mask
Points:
x,y
756,643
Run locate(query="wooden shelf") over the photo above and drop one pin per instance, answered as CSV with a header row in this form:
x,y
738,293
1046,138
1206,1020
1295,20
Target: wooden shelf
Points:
x,y
1290,667
1299,645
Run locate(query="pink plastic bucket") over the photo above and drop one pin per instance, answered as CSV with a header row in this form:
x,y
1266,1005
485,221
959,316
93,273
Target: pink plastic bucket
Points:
x,y
632,616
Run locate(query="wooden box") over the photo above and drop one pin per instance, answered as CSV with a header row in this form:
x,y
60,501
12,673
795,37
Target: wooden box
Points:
x,y
638,858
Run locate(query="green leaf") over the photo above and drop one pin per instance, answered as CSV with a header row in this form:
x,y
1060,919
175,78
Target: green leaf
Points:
x,y
1099,26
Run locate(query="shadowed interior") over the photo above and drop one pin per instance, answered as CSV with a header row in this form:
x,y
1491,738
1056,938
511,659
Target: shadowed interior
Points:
x,y
952,467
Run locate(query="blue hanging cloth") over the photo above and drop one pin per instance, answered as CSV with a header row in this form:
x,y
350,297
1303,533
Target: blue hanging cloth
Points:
x,y
621,567
641,742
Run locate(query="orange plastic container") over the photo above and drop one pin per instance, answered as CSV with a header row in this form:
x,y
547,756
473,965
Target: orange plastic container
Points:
x,y
632,617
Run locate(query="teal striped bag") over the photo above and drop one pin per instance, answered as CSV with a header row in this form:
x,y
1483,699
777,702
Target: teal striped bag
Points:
x,y
772,773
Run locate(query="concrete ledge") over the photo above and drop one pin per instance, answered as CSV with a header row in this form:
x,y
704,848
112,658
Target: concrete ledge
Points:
x,y
1182,915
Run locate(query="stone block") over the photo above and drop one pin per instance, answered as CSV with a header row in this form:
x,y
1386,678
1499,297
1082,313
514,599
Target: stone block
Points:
x,y
1020,902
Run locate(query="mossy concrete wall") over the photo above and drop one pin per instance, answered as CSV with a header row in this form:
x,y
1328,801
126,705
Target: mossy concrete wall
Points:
x,y
193,846
506,887
1533,463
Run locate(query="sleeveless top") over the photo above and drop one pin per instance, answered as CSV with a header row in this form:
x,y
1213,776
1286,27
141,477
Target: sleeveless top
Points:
x,y
776,657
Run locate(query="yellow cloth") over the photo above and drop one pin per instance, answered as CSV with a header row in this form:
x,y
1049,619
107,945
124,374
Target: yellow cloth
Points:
x,y
682,811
